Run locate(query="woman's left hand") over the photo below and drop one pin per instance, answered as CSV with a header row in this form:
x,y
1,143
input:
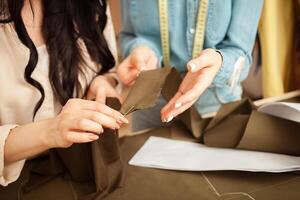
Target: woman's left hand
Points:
x,y
101,88
201,72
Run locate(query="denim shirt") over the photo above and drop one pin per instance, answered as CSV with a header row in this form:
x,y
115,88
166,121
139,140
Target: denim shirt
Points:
x,y
231,27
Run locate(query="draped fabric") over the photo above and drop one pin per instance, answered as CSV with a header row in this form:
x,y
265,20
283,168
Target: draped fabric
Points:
x,y
236,125
276,32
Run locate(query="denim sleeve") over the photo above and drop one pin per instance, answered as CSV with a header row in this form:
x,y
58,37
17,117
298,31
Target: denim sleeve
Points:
x,y
239,40
129,38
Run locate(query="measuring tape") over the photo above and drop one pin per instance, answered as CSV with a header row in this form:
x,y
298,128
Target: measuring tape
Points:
x,y
164,29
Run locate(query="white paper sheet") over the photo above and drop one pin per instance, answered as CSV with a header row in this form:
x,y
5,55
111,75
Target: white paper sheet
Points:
x,y
188,156
290,111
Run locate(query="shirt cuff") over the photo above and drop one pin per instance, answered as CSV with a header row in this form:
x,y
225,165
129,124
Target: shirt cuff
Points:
x,y
231,70
8,172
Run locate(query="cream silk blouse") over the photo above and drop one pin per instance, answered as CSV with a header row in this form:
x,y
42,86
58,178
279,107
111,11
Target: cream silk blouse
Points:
x,y
18,98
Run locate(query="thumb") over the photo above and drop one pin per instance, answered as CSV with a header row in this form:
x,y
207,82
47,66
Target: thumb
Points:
x,y
204,60
127,72
140,59
101,95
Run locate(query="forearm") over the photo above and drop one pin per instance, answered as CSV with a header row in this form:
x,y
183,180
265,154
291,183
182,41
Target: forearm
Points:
x,y
28,141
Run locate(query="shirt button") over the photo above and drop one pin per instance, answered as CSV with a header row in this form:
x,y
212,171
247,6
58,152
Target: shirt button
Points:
x,y
192,30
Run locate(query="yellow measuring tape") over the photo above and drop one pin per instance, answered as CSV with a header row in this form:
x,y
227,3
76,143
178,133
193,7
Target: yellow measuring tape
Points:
x,y
164,29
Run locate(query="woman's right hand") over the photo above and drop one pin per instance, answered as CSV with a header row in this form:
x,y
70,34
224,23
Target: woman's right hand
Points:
x,y
141,58
82,121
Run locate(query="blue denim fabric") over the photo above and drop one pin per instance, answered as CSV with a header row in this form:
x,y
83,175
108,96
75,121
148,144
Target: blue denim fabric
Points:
x,y
231,28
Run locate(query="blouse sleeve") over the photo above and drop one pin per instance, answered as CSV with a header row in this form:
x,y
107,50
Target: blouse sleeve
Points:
x,y
8,172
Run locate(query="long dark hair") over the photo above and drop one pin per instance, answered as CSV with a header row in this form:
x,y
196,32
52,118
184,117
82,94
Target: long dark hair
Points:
x,y
65,21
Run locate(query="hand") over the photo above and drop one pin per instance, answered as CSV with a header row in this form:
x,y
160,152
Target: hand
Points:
x,y
82,121
101,88
141,58
201,72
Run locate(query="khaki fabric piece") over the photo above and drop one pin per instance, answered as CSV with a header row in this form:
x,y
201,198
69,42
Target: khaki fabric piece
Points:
x,y
271,134
83,171
236,125
165,81
239,125
149,184
225,131
148,88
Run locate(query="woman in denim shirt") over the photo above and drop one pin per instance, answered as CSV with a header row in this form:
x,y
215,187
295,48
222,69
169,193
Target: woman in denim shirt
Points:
x,y
211,79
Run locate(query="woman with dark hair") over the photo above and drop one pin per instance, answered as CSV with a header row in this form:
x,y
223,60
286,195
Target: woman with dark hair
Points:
x,y
56,56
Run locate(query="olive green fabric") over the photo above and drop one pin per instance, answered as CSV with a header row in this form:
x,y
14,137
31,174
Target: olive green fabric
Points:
x,y
149,184
83,171
147,89
236,125
239,125
150,85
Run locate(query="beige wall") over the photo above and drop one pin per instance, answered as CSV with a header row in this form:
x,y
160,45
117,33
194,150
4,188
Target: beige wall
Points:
x,y
115,9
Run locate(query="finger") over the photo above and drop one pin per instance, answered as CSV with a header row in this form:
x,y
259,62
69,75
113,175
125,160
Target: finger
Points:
x,y
139,59
81,137
104,109
177,111
190,96
152,63
81,104
111,92
87,125
134,74
101,95
121,99
167,108
171,102
90,95
103,120
130,76
199,63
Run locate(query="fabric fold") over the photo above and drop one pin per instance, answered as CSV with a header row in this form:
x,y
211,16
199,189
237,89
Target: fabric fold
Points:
x,y
236,125
161,82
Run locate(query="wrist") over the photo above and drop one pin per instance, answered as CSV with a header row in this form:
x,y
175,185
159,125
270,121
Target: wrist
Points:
x,y
48,136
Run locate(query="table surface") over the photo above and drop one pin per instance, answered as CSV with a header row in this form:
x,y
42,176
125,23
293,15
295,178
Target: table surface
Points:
x,y
146,183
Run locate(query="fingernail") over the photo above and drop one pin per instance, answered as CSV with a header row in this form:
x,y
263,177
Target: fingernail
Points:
x,y
170,118
94,137
178,104
143,67
119,121
138,74
123,119
192,67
